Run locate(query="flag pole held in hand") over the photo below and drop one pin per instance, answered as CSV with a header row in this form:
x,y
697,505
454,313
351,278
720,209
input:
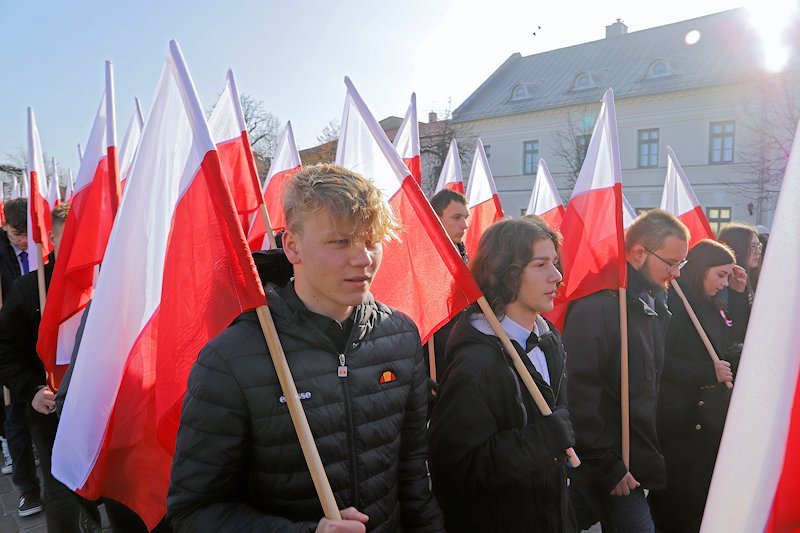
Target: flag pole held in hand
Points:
x,y
534,391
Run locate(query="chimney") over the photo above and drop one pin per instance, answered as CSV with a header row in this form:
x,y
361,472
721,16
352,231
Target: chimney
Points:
x,y
616,29
432,117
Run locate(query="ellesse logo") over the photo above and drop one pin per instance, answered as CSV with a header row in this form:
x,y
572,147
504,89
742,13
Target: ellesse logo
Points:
x,y
301,395
387,377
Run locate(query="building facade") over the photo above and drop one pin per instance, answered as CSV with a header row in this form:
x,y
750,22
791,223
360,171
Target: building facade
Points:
x,y
696,85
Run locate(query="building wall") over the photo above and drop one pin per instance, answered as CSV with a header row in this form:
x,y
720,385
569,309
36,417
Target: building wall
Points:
x,y
683,119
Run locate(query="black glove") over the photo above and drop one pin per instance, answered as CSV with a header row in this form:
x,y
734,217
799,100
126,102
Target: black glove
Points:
x,y
559,426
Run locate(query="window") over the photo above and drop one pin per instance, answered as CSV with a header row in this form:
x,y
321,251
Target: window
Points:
x,y
583,81
718,217
659,69
648,148
487,149
720,145
519,92
581,145
530,157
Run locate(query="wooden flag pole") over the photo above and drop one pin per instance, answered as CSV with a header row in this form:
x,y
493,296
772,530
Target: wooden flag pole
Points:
x,y
270,233
700,331
534,391
40,277
624,389
432,358
299,420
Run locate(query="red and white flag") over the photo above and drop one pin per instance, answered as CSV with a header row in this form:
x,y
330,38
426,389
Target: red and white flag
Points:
x,y
127,152
53,189
756,483
406,141
421,273
593,254
545,199
69,194
83,242
484,204
2,205
229,131
38,208
284,165
451,177
679,199
15,186
168,285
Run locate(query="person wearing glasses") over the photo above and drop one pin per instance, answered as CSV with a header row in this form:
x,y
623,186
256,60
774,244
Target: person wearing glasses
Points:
x,y
693,399
604,488
743,240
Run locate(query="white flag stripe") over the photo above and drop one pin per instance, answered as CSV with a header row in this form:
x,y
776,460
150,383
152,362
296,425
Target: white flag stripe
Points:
x,y
481,183
678,197
129,286
95,147
601,167
406,140
753,445
451,170
544,195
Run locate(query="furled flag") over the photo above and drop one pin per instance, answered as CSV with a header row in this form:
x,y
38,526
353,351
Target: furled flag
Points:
x,y
593,254
545,200
484,204
229,131
83,242
284,165
38,208
451,177
406,141
15,186
53,189
756,483
421,273
168,285
679,199
130,143
2,205
69,194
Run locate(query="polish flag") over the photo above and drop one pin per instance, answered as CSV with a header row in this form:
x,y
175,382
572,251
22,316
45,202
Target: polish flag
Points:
x,y
130,143
2,205
451,177
70,192
593,254
83,242
545,200
229,131
679,199
484,204
284,165
168,285
38,208
53,190
15,186
421,274
756,483
406,141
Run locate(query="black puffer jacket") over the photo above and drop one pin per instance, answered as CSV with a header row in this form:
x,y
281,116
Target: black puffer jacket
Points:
x,y
497,463
592,340
9,266
238,465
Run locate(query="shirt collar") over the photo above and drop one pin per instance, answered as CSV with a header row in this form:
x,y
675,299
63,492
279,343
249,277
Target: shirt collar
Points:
x,y
516,331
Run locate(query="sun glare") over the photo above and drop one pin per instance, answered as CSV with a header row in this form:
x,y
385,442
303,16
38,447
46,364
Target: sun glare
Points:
x,y
770,20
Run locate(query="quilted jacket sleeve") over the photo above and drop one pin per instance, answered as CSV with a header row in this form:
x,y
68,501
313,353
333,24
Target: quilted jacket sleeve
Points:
x,y
208,470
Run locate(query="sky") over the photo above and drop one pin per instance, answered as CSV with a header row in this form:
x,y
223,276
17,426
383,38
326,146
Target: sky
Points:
x,y
291,55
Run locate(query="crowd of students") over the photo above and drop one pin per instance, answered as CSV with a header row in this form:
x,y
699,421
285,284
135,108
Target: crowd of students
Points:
x,y
455,444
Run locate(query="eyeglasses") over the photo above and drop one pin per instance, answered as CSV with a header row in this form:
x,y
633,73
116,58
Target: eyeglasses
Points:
x,y
670,266
756,247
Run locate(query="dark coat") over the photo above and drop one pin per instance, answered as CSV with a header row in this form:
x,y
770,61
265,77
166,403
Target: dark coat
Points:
x,y
9,265
238,465
21,370
692,407
592,340
497,463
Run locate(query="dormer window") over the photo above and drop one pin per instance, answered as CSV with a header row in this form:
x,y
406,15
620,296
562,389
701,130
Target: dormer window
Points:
x,y
519,92
659,69
582,81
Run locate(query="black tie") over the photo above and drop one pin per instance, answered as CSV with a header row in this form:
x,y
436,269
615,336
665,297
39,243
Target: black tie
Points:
x,y
532,342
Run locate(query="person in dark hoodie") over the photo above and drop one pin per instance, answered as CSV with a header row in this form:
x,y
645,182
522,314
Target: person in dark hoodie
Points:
x,y
359,372
604,488
497,463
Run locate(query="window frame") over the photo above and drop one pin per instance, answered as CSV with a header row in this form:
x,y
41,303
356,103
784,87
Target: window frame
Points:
x,y
534,153
716,222
722,136
648,142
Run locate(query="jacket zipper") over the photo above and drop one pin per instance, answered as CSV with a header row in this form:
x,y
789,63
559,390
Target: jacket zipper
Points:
x,y
351,437
560,379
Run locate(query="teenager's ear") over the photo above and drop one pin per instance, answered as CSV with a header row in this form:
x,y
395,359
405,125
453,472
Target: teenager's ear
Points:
x,y
291,246
637,255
